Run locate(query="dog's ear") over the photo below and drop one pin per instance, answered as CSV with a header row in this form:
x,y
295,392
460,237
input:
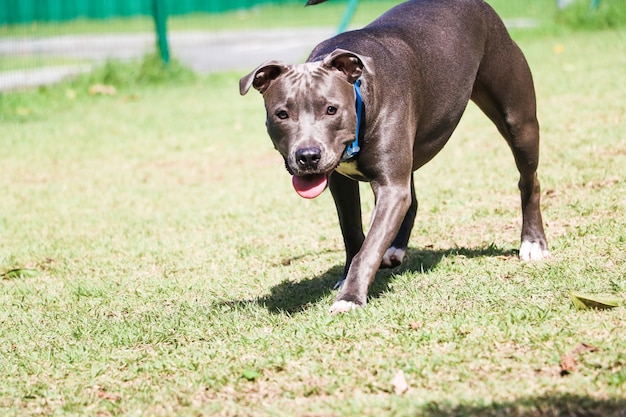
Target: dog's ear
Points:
x,y
349,63
262,76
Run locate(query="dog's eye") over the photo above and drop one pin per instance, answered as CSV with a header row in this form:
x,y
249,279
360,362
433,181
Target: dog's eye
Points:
x,y
331,110
281,114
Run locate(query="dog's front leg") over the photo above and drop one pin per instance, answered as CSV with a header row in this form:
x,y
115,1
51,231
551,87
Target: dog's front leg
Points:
x,y
392,202
347,198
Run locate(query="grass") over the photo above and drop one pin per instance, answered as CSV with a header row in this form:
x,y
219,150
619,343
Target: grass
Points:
x,y
543,15
611,14
179,274
259,17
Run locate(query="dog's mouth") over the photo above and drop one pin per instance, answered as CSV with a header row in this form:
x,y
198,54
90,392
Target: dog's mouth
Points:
x,y
311,185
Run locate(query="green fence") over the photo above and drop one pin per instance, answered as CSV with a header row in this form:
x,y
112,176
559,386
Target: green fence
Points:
x,y
27,11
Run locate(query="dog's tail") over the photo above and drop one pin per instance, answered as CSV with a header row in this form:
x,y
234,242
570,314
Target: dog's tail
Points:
x,y
314,2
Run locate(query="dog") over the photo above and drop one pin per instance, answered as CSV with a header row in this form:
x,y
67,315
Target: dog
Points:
x,y
376,104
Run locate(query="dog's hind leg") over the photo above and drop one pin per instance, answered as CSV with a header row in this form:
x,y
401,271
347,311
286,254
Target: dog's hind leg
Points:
x,y
395,254
504,91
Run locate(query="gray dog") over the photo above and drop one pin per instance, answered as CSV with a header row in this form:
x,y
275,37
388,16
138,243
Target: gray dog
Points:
x,y
378,103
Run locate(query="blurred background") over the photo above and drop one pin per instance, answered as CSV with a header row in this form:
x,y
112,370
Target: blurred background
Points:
x,y
43,41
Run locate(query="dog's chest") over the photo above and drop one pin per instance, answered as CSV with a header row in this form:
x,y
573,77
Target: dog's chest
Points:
x,y
350,169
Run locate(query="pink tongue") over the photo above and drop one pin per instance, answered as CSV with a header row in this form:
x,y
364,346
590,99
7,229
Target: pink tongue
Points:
x,y
309,186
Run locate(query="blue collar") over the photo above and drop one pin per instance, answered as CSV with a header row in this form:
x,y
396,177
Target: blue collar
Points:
x,y
353,148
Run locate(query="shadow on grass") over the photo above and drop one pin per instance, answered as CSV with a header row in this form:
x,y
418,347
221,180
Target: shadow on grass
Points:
x,y
549,405
292,297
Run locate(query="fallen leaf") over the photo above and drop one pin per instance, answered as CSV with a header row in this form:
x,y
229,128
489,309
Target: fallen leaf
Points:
x,y
551,193
250,374
109,396
20,273
106,90
132,97
399,384
584,301
568,361
415,325
568,364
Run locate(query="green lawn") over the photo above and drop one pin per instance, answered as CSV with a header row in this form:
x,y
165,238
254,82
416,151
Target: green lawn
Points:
x,y
611,13
180,275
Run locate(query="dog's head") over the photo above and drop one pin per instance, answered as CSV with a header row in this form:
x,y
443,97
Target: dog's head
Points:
x,y
310,113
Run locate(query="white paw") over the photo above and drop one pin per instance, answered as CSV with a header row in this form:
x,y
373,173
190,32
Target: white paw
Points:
x,y
532,251
393,256
342,306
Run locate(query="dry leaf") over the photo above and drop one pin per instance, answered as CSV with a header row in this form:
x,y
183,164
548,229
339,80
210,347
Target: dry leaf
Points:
x,y
568,361
568,364
132,97
103,393
583,347
106,90
20,273
584,301
399,384
415,325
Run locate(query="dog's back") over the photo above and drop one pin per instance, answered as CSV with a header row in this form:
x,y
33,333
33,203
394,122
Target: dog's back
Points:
x,y
438,45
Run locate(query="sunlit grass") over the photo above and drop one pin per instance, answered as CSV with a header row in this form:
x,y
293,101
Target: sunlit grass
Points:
x,y
179,274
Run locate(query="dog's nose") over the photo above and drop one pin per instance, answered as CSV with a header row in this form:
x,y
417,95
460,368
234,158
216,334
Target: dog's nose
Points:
x,y
308,158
